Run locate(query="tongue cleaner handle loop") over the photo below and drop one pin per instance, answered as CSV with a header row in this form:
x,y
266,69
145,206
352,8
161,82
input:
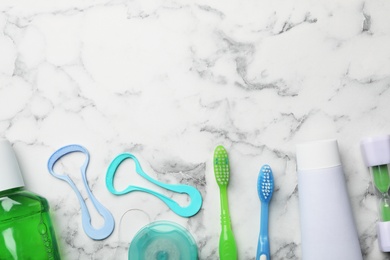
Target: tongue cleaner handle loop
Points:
x,y
193,193
109,223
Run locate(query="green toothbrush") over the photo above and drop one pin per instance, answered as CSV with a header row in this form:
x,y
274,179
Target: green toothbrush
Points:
x,y
382,183
227,243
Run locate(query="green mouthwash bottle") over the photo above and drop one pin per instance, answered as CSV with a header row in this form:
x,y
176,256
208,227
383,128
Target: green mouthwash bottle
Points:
x,y
26,231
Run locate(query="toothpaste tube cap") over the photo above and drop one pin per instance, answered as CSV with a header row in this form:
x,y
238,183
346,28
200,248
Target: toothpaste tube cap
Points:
x,y
318,155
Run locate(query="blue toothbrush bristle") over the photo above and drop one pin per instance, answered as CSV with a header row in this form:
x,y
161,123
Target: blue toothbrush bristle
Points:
x,y
265,183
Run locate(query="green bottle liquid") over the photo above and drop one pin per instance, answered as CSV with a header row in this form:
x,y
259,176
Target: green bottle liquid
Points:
x,y
26,230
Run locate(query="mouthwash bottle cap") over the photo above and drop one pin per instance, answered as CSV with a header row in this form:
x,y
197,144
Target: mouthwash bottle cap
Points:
x,y
318,155
376,150
10,175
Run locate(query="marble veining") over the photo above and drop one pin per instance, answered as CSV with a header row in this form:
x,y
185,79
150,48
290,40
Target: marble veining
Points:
x,y
169,81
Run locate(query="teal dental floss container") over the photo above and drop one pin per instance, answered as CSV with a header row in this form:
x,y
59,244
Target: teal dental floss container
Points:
x,y
163,240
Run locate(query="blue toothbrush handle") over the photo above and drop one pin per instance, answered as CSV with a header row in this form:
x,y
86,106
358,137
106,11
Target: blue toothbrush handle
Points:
x,y
263,250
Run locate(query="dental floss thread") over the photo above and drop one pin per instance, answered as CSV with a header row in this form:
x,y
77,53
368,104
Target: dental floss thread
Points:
x,y
125,243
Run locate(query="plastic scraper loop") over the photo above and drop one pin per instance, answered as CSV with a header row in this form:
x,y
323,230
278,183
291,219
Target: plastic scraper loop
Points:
x,y
108,227
193,193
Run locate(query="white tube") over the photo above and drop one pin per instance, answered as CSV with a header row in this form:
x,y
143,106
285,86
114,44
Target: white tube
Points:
x,y
328,228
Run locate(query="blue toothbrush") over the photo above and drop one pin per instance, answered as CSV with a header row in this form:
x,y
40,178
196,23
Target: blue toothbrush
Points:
x,y
265,188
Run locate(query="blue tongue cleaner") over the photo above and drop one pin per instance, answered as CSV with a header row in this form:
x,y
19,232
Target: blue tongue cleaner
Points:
x,y
129,223
193,193
108,226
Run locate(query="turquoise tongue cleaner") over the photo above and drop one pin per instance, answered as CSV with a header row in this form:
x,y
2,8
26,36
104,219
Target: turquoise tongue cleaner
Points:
x,y
194,194
108,227
160,240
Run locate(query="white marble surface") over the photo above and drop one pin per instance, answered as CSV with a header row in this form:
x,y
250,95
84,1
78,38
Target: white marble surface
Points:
x,y
170,80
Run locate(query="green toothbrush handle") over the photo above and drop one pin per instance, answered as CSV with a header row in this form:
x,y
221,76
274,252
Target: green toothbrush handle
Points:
x,y
227,242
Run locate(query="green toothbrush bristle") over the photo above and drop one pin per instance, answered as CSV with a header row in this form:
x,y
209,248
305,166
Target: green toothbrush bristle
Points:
x,y
221,166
